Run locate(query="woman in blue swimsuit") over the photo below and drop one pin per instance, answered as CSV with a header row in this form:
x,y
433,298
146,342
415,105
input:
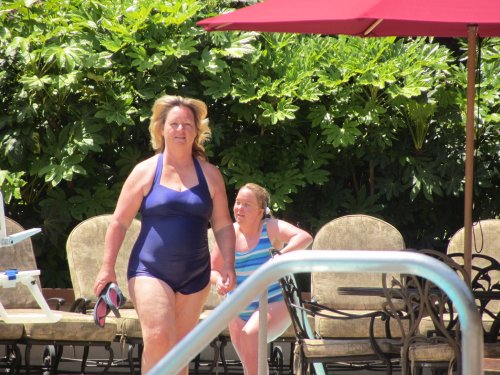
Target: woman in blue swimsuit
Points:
x,y
178,193
256,235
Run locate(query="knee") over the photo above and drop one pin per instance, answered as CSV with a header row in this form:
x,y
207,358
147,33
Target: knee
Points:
x,y
159,336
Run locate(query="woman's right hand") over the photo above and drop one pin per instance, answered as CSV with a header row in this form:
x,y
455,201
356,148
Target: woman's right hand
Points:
x,y
104,277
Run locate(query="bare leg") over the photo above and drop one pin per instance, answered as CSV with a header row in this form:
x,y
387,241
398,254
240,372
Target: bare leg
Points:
x,y
154,302
164,315
245,335
188,308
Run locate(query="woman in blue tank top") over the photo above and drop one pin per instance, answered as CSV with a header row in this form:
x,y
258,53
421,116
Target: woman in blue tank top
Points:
x,y
256,235
178,193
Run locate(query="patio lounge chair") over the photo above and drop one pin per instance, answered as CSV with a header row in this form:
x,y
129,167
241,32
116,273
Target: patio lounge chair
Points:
x,y
84,250
84,247
70,328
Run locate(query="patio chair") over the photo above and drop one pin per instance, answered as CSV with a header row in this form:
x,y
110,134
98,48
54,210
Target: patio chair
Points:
x,y
432,337
485,277
11,334
84,247
70,328
84,250
361,327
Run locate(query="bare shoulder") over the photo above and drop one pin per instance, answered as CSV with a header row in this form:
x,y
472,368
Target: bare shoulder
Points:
x,y
146,165
211,172
272,224
143,172
214,178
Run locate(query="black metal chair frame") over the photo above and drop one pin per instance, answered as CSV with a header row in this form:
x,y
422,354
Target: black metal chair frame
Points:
x,y
11,359
423,299
300,310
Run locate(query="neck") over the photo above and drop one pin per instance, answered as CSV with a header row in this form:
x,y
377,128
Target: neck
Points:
x,y
250,228
177,159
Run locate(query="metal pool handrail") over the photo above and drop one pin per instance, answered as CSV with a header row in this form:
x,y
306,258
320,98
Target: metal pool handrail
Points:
x,y
338,261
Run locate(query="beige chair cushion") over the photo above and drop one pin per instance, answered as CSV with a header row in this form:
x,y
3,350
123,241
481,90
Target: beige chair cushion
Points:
x,y
423,352
486,240
330,348
10,331
328,327
352,232
85,248
128,324
72,327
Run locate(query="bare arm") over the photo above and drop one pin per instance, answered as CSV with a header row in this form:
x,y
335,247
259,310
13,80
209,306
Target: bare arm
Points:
x,y
223,230
128,205
222,284
292,237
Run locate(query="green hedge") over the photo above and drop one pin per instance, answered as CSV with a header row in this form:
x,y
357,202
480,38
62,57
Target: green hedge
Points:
x,y
331,125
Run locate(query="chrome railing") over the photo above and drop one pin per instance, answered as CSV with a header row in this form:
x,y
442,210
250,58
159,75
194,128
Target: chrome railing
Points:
x,y
337,261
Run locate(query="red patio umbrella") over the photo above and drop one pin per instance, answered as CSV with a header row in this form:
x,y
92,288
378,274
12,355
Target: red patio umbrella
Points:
x,y
372,18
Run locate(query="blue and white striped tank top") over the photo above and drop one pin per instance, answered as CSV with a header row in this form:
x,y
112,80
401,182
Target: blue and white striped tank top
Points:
x,y
247,262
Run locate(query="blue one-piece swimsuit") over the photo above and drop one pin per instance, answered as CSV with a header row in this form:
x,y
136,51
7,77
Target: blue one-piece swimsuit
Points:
x,y
172,245
247,262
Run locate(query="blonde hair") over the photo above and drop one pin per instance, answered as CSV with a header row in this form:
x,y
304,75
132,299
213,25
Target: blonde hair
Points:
x,y
162,107
262,195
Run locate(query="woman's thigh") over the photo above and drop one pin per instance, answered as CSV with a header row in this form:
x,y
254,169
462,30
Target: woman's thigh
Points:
x,y
154,302
188,308
278,320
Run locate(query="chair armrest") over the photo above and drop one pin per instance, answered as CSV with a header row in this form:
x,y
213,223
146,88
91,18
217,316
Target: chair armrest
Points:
x,y
80,305
57,302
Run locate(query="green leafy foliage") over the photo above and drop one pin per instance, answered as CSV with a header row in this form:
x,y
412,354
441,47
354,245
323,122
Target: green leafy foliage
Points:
x,y
330,125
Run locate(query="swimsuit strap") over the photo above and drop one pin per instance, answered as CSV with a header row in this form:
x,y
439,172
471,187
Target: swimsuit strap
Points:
x,y
264,229
199,173
159,169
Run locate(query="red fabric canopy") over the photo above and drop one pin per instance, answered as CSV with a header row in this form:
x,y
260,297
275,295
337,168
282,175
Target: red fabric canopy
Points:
x,y
441,18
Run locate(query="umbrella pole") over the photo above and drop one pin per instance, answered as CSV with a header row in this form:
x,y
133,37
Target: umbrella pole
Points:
x,y
469,146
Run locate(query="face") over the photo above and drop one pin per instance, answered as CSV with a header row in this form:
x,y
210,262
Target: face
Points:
x,y
246,207
180,126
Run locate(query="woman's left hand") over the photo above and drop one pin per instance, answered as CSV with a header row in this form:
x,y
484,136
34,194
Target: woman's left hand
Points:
x,y
227,280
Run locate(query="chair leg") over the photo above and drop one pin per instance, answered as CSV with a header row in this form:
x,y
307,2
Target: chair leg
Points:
x,y
57,360
48,360
223,343
110,358
85,356
27,354
196,362
216,345
13,358
276,359
130,357
290,362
